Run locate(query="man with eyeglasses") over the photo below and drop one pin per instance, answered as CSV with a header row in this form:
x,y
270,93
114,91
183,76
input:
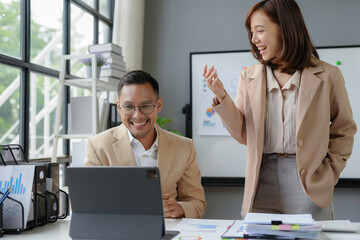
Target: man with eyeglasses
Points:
x,y
139,141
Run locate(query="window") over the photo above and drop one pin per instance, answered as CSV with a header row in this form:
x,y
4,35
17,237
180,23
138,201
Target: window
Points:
x,y
46,32
9,104
33,36
9,28
43,102
105,8
91,3
104,31
82,32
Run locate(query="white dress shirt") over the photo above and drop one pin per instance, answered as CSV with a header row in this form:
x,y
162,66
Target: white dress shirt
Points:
x,y
281,111
144,158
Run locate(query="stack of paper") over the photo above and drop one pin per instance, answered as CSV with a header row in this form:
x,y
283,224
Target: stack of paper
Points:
x,y
112,53
281,226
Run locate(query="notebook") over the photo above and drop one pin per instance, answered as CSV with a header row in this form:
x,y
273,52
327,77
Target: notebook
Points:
x,y
115,203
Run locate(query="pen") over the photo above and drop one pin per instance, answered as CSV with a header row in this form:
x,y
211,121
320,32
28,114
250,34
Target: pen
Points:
x,y
5,195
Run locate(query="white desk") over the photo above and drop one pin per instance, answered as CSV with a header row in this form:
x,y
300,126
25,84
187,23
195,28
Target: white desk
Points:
x,y
60,231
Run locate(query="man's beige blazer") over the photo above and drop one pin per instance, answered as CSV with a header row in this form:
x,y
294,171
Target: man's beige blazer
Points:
x,y
325,128
179,172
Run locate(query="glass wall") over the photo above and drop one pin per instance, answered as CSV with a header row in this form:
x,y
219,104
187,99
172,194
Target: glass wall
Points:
x,y
43,102
9,104
33,36
82,32
46,32
10,28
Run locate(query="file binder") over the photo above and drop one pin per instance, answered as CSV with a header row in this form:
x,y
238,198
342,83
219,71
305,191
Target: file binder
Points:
x,y
64,204
38,208
114,116
40,198
52,191
57,199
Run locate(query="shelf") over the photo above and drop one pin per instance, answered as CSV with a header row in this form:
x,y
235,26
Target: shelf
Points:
x,y
107,84
79,136
103,84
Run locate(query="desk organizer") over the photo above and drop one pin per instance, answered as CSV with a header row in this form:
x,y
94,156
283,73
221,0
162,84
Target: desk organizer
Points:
x,y
16,208
45,205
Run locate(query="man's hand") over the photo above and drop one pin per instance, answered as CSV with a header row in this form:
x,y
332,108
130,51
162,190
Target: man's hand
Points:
x,y
171,208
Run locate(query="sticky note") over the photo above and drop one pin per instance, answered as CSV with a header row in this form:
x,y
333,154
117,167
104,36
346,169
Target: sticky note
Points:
x,y
285,227
275,227
295,227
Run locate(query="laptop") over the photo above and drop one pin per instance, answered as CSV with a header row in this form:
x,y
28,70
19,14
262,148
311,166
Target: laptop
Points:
x,y
116,203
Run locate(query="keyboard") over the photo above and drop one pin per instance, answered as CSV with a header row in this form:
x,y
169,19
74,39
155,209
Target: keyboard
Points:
x,y
338,226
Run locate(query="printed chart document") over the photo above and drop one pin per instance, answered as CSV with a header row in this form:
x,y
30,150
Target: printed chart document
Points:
x,y
20,178
201,228
234,231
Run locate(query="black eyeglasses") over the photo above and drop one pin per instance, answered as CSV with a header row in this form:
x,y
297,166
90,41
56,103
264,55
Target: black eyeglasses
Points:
x,y
145,108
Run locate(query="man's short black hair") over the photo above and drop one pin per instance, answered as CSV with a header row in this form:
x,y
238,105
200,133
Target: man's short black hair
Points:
x,y
138,77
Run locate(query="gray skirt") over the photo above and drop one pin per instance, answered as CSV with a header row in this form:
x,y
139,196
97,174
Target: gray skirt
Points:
x,y
279,190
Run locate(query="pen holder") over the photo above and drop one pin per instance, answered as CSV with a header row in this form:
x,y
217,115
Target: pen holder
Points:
x,y
1,220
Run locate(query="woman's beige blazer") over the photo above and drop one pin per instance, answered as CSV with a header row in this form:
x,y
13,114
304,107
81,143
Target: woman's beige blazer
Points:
x,y
325,128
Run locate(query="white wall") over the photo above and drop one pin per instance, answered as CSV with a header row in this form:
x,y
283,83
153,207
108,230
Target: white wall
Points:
x,y
175,28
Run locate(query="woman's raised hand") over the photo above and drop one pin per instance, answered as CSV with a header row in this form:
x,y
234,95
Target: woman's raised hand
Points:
x,y
213,82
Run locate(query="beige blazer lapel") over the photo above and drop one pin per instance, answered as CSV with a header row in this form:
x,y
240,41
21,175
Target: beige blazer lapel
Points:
x,y
257,95
165,153
309,84
122,147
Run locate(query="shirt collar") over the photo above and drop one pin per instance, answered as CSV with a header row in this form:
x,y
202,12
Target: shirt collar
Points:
x,y
134,140
273,84
270,79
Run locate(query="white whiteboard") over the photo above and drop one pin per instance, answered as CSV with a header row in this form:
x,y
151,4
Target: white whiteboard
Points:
x,y
218,154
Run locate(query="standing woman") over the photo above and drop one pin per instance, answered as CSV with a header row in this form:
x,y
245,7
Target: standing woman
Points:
x,y
293,113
